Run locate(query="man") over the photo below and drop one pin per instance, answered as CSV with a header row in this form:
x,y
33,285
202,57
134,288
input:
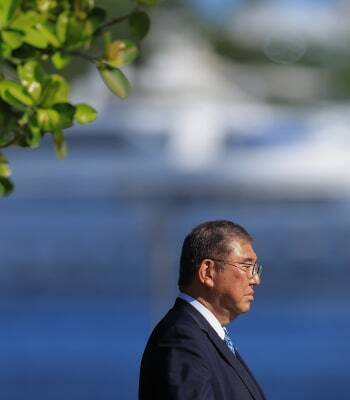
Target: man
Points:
x,y
189,355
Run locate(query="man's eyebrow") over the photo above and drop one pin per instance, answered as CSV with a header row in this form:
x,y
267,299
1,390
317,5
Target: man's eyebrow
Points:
x,y
248,259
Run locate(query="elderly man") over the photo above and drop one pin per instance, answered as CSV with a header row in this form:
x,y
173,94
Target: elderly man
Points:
x,y
189,355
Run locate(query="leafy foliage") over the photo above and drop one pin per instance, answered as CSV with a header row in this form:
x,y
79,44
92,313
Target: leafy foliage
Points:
x,y
38,36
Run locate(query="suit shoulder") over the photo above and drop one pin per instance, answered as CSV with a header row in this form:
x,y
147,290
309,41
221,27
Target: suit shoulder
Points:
x,y
176,325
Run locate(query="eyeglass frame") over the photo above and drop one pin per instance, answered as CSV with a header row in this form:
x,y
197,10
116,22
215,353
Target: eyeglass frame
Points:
x,y
256,268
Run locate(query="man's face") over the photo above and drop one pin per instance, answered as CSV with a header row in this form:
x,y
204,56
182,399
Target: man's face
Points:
x,y
233,286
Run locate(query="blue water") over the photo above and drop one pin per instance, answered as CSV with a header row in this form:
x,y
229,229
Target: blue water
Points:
x,y
91,349
70,349
83,294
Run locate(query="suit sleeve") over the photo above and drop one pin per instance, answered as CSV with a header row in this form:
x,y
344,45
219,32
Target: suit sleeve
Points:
x,y
183,367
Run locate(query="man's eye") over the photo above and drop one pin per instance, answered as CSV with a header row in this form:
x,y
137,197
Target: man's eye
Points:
x,y
248,265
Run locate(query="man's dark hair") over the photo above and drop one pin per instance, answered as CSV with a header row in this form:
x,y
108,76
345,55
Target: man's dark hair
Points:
x,y
210,239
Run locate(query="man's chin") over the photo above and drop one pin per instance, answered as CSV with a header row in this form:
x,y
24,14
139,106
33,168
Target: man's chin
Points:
x,y
246,307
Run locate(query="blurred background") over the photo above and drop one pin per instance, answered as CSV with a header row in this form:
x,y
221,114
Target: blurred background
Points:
x,y
239,110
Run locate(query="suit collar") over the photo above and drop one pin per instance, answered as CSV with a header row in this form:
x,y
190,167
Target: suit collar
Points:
x,y
236,362
206,313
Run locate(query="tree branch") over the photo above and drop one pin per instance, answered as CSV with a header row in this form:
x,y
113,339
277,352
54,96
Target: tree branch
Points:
x,y
113,21
83,55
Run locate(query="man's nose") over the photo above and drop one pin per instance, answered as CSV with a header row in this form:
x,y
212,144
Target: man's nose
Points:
x,y
256,279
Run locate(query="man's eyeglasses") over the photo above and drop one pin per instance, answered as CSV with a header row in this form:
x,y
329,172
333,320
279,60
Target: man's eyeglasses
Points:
x,y
254,269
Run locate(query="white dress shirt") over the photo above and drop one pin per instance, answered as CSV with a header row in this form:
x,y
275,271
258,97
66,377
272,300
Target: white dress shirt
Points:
x,y
208,315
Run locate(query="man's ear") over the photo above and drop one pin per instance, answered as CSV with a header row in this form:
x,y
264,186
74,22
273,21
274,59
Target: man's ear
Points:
x,y
206,272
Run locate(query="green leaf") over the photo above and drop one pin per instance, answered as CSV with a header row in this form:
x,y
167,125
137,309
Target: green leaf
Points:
x,y
5,50
148,2
32,71
33,78
60,60
120,52
60,144
12,101
8,121
13,38
10,90
95,19
27,20
56,91
7,11
34,135
18,92
139,24
84,113
48,31
35,90
62,26
66,112
48,96
116,81
45,6
48,119
35,38
5,170
75,35
60,116
83,7
6,186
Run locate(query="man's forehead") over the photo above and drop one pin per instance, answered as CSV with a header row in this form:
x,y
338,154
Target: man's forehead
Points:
x,y
243,249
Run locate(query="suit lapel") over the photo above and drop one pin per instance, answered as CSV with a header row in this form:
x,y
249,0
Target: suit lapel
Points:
x,y
251,375
236,362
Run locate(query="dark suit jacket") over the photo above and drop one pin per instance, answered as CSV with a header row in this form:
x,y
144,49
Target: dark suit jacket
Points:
x,y
185,359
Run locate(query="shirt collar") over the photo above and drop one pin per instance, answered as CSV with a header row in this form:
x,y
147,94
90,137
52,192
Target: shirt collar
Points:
x,y
207,314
